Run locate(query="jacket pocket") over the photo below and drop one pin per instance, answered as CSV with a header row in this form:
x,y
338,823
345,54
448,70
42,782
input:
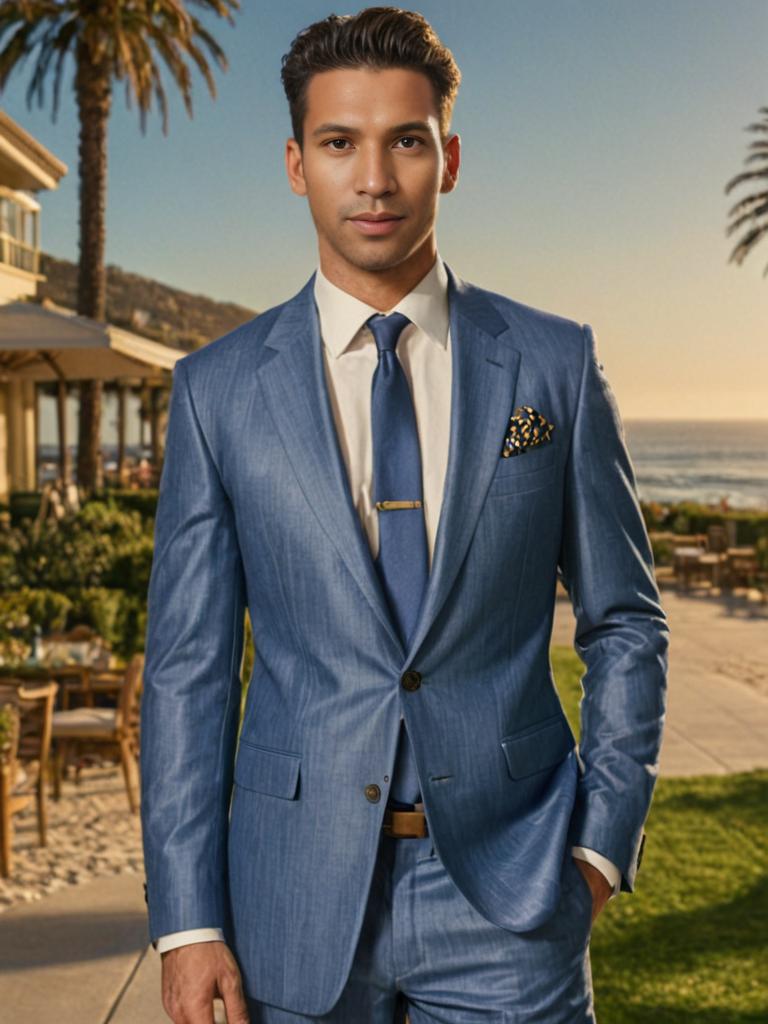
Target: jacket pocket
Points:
x,y
515,475
537,748
275,772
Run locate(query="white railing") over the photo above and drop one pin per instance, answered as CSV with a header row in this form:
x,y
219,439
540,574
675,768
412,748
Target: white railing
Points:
x,y
18,254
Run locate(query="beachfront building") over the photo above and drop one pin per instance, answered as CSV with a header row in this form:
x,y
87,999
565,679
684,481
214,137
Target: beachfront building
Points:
x,y
26,168
43,343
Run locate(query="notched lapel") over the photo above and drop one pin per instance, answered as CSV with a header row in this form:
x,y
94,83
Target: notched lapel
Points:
x,y
295,393
485,369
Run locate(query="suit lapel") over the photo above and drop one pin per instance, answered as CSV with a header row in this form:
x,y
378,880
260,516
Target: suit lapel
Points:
x,y
485,367
295,392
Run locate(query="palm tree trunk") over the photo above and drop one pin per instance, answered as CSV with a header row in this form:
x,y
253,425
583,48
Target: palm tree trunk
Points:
x,y
94,96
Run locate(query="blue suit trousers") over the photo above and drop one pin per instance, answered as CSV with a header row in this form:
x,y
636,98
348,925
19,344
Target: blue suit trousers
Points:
x,y
425,950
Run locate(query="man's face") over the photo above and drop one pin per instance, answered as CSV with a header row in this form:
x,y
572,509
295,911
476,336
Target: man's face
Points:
x,y
372,148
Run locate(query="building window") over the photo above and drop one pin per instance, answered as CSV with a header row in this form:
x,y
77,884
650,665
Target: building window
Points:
x,y
18,235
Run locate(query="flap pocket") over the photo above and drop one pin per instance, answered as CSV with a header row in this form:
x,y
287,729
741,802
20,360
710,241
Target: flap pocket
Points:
x,y
537,749
264,770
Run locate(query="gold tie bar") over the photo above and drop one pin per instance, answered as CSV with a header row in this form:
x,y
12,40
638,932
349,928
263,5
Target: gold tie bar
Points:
x,y
387,506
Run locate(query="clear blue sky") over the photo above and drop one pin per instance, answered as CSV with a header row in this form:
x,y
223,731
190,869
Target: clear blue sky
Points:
x,y
597,138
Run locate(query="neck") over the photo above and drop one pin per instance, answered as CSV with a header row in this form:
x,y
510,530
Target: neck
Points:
x,y
381,289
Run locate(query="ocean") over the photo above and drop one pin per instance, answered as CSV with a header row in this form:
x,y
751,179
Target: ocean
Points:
x,y
700,460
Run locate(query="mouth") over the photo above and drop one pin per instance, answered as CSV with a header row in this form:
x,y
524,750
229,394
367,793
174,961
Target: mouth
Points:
x,y
376,223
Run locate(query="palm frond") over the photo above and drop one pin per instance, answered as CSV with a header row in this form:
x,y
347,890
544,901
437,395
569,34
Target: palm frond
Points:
x,y
751,212
744,176
748,202
65,42
757,210
129,40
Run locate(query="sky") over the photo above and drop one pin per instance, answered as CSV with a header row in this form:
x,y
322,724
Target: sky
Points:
x,y
597,139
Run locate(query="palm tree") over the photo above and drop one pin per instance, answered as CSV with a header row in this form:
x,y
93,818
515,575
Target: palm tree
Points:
x,y
752,210
122,40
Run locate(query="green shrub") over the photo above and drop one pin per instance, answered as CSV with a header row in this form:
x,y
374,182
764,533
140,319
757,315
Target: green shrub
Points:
x,y
143,501
663,552
21,610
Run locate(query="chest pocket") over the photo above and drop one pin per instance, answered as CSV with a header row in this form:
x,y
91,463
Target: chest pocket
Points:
x,y
529,471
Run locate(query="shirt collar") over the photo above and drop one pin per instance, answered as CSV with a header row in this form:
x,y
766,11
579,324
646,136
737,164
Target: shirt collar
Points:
x,y
342,315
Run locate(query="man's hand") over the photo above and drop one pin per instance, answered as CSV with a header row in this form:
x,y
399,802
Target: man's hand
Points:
x,y
598,884
196,974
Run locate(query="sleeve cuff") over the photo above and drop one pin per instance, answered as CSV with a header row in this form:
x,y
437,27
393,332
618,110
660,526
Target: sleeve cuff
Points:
x,y
603,865
186,938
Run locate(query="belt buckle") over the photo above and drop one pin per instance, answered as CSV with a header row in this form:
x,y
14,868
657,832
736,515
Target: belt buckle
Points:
x,y
405,824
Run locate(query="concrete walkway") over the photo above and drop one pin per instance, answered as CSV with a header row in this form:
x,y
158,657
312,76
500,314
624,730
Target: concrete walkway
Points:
x,y
80,955
68,957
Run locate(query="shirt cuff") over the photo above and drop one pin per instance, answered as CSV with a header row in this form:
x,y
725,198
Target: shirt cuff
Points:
x,y
604,866
186,938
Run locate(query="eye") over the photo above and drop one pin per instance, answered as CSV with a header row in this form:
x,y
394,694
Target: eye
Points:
x,y
331,144
413,139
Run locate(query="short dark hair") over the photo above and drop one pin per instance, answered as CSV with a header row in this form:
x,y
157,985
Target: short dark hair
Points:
x,y
376,37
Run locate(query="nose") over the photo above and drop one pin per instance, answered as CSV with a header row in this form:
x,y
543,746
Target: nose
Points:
x,y
375,173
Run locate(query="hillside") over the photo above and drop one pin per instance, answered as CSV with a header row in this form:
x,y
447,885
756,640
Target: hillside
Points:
x,y
146,306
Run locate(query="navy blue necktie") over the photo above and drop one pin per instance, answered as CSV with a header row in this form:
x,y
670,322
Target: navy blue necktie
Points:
x,y
402,560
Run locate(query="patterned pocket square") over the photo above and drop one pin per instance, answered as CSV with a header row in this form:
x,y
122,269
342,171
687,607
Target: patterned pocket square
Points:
x,y
527,429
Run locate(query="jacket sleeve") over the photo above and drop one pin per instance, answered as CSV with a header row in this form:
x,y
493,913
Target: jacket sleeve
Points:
x,y
191,694
622,636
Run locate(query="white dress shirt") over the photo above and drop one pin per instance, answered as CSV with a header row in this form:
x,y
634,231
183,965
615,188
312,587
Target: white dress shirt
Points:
x,y
350,358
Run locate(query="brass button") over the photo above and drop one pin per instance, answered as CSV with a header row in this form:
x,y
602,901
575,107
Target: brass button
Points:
x,y
411,679
373,793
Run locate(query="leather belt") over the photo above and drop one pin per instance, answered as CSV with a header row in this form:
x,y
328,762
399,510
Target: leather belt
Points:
x,y
404,824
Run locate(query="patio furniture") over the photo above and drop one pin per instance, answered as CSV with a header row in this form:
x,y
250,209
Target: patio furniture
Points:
x,y
88,728
9,804
24,777
73,679
741,566
686,563
717,538
712,567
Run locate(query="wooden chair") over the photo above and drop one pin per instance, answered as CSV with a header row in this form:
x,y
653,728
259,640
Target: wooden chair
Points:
x,y
86,728
717,538
9,804
742,566
25,773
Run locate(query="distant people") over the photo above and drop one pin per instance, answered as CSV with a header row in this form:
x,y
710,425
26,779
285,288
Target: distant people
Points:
x,y
71,496
144,472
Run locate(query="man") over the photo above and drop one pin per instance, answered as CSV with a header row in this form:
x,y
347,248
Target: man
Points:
x,y
390,471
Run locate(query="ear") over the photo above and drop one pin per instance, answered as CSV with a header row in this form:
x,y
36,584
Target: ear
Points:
x,y
452,154
294,167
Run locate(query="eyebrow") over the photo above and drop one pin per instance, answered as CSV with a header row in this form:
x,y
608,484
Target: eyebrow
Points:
x,y
341,129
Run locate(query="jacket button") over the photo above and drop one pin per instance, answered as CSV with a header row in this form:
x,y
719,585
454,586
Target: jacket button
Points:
x,y
411,679
372,792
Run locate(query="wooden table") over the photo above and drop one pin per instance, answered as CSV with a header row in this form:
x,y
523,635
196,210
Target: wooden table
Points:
x,y
721,568
84,680
686,561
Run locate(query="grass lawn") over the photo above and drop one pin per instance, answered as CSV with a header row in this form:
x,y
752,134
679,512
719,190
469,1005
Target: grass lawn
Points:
x,y
690,945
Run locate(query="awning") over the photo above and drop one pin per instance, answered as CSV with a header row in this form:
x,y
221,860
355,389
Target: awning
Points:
x,y
50,342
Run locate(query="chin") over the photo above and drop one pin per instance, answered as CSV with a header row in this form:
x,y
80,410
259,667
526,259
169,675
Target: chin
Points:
x,y
377,258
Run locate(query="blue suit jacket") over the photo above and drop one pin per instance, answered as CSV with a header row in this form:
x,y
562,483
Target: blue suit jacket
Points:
x,y
255,512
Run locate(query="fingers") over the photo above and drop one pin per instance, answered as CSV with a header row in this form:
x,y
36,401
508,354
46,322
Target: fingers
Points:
x,y
230,987
237,1011
194,975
